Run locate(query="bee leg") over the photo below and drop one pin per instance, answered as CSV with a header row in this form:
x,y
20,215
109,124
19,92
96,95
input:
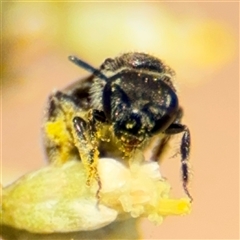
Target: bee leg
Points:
x,y
85,141
176,128
185,151
161,146
57,137
159,149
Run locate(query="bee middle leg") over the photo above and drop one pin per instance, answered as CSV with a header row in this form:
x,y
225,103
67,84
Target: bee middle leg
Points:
x,y
57,135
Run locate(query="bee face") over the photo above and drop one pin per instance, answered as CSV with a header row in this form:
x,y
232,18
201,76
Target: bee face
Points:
x,y
138,97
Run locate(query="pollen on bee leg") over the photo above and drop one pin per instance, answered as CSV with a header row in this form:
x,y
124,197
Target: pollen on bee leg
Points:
x,y
56,131
58,139
91,166
99,186
93,175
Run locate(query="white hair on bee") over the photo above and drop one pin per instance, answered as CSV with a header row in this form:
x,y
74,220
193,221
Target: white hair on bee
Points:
x,y
96,93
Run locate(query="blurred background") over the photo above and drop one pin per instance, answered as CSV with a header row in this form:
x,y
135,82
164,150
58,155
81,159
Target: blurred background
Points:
x,y
199,40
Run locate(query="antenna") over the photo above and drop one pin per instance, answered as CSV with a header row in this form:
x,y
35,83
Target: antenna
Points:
x,y
87,67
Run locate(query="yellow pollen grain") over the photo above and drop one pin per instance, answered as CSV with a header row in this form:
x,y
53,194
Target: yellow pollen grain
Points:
x,y
57,132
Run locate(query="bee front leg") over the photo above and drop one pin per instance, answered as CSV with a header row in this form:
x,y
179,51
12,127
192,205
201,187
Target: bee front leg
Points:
x,y
86,142
176,128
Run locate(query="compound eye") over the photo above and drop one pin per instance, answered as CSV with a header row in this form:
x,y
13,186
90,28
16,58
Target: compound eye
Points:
x,y
159,117
161,124
115,101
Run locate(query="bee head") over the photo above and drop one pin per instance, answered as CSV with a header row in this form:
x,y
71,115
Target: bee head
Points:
x,y
135,94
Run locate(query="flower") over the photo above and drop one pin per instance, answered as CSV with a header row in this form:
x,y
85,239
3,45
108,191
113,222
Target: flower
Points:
x,y
57,199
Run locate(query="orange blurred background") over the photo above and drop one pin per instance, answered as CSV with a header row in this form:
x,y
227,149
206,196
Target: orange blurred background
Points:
x,y
199,40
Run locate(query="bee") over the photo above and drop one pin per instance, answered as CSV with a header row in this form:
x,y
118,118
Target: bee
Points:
x,y
120,108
